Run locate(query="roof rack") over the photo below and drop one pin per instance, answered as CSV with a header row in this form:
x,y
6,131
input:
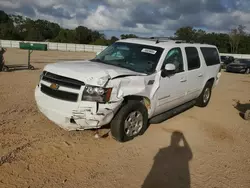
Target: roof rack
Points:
x,y
162,39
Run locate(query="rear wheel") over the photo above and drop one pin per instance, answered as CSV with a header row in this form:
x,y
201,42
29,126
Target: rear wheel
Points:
x,y
247,115
31,67
5,69
130,121
204,98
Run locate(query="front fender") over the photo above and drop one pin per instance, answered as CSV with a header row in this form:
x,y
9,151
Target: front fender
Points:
x,y
141,86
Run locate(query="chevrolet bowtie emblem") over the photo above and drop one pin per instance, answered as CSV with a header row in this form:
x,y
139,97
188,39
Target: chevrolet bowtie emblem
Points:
x,y
54,86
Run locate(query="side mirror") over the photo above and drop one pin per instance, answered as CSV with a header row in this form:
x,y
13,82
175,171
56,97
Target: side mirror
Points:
x,y
168,70
170,67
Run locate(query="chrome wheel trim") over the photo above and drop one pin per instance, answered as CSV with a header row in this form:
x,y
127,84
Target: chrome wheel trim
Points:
x,y
133,123
206,95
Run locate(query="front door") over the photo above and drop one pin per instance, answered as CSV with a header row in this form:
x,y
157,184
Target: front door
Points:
x,y
172,90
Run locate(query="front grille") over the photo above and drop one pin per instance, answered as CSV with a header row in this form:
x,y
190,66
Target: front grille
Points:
x,y
62,81
63,95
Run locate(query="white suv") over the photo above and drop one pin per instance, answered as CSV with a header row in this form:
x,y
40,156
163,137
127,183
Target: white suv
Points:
x,y
128,85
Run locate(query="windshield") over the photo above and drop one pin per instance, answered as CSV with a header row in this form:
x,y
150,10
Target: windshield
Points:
x,y
245,61
135,57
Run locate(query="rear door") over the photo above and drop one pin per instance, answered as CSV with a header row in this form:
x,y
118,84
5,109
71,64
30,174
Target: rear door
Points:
x,y
195,73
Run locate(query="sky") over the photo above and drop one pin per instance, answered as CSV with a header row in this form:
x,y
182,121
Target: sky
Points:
x,y
141,17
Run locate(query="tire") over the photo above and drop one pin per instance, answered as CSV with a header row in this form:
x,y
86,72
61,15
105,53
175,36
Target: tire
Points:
x,y
121,119
247,71
247,115
5,69
204,98
31,67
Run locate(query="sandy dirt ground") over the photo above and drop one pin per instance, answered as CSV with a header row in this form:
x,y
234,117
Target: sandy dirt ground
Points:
x,y
36,153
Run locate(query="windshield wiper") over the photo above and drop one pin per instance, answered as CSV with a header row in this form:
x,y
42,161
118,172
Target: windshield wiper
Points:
x,y
97,60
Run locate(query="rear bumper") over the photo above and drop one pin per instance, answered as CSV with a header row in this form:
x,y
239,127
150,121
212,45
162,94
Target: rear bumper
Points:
x,y
75,115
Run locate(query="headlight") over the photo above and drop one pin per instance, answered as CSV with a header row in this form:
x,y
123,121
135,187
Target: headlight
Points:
x,y
40,78
97,94
41,75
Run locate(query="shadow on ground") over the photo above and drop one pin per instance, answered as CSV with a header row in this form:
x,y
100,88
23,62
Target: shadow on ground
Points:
x,y
16,69
241,107
171,165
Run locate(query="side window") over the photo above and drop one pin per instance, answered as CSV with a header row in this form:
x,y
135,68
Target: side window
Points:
x,y
193,58
210,55
174,56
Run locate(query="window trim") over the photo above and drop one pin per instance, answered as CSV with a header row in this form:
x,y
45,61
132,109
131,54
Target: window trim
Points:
x,y
183,68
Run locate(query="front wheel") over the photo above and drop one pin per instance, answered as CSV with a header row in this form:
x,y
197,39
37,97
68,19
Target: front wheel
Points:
x,y
247,71
130,121
204,98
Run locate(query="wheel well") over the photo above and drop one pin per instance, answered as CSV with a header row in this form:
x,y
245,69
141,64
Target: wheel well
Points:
x,y
211,80
145,100
133,98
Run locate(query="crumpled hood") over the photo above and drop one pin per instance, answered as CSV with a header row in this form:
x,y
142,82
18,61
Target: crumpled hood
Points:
x,y
88,71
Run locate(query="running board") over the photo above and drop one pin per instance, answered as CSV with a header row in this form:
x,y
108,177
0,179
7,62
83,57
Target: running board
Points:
x,y
166,115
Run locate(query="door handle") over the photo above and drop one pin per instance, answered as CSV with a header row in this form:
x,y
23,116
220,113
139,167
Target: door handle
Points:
x,y
183,80
200,75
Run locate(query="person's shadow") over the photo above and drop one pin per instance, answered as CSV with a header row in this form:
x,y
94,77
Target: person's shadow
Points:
x,y
171,168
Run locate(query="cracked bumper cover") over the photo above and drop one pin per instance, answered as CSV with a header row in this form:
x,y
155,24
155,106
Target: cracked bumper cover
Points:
x,y
75,115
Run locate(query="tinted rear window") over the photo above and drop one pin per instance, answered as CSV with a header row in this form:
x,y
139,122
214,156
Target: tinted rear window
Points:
x,y
211,56
193,58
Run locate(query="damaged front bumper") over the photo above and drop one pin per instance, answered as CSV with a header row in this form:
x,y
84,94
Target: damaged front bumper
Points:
x,y
75,115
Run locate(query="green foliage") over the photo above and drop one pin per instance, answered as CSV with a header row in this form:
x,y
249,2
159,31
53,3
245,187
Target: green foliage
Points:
x,y
237,41
16,27
101,41
125,36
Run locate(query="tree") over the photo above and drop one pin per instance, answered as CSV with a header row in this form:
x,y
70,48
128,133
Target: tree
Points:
x,y
4,18
83,35
235,36
186,33
126,36
97,35
101,41
16,27
113,39
7,29
66,36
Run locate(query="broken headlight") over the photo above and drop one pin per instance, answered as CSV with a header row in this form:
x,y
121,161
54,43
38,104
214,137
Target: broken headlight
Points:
x,y
97,94
41,75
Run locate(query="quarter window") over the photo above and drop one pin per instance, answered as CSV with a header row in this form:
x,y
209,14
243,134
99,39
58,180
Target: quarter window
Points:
x,y
210,55
193,58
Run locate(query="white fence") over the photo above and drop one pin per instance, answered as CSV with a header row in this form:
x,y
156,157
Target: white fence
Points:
x,y
56,46
83,47
238,56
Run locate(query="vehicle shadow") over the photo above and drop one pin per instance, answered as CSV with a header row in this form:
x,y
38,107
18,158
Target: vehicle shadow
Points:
x,y
171,165
241,107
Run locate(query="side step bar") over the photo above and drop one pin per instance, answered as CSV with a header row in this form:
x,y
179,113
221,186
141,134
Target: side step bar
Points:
x,y
166,115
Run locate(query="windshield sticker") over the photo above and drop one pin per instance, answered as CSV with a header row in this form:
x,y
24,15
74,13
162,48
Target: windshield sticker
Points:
x,y
149,51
